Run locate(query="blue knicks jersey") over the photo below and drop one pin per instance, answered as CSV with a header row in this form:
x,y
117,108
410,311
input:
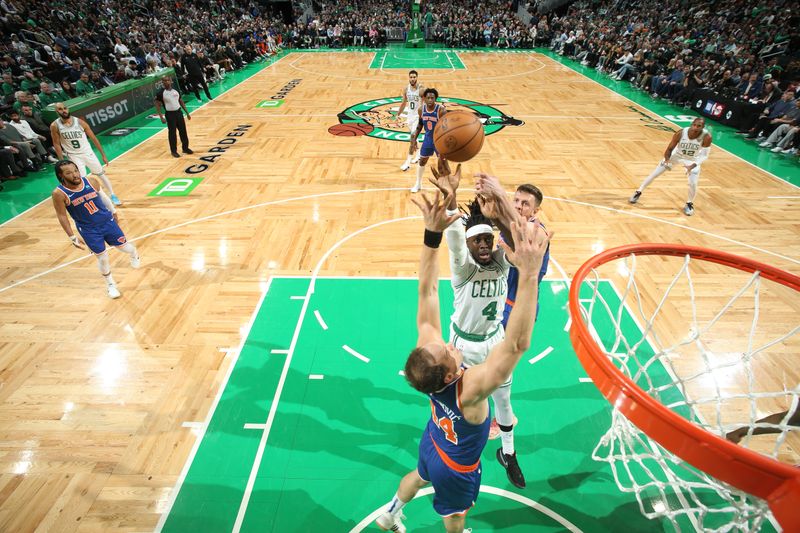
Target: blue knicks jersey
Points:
x,y
85,206
429,121
513,282
460,441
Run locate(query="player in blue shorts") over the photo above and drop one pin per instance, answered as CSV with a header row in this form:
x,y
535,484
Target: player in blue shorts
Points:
x,y
451,444
527,201
429,115
94,216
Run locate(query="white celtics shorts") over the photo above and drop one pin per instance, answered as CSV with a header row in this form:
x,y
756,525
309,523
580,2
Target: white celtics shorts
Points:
x,y
476,352
413,122
84,160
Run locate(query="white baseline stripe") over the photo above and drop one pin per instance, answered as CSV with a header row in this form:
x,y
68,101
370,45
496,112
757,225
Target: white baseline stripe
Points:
x,y
355,353
585,380
361,191
316,376
279,351
177,488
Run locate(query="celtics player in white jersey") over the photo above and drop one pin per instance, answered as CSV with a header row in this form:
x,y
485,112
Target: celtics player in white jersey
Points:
x,y
71,136
479,277
412,97
689,147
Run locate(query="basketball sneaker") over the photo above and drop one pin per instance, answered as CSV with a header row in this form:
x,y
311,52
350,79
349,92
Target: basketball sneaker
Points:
x,y
405,166
113,291
509,462
115,200
388,522
494,428
417,186
635,198
136,261
415,160
688,210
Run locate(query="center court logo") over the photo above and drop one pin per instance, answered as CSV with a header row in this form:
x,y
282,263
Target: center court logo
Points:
x,y
379,119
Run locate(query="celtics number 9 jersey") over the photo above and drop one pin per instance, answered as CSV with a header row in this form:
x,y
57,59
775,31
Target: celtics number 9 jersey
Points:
x,y
73,137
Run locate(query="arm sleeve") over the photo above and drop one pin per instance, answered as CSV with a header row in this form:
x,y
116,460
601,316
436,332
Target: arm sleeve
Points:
x,y
457,248
106,201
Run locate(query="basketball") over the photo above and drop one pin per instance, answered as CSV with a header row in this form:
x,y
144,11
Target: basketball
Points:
x,y
458,136
350,130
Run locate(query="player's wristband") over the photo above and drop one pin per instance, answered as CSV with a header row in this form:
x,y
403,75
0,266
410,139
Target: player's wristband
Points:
x,y
433,238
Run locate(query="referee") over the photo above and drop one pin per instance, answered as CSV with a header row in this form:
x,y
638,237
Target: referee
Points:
x,y
172,101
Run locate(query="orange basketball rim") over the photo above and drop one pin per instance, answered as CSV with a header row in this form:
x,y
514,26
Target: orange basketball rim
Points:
x,y
759,475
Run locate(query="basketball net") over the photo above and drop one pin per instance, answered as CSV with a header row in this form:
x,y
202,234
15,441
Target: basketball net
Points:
x,y
694,373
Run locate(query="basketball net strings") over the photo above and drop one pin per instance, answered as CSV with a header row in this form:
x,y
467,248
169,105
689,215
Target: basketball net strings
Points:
x,y
646,471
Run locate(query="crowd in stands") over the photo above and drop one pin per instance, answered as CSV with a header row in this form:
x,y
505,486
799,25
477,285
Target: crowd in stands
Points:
x,y
739,48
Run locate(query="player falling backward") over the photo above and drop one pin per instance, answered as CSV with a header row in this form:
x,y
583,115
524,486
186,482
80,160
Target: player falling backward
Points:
x,y
457,432
412,97
71,137
480,286
689,147
94,216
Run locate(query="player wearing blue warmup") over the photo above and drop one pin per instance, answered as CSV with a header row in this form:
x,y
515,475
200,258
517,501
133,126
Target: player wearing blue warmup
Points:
x,y
527,201
429,115
452,442
94,216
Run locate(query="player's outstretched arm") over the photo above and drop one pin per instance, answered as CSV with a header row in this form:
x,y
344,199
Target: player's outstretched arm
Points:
x,y
447,182
496,205
484,378
429,325
94,139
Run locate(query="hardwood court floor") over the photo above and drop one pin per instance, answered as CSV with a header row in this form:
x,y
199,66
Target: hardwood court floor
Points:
x,y
95,393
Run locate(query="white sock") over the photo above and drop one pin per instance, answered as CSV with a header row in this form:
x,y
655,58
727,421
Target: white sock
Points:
x,y
660,169
106,183
408,159
395,505
507,438
109,279
420,173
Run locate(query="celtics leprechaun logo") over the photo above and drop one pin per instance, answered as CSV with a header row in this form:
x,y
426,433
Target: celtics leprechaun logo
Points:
x,y
379,118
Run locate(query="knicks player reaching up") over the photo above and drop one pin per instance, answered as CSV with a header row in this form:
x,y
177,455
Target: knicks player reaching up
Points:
x,y
71,137
412,98
94,216
429,115
480,286
456,434
689,147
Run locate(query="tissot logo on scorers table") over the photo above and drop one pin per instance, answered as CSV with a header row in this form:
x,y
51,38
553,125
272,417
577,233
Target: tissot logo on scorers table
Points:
x,y
381,114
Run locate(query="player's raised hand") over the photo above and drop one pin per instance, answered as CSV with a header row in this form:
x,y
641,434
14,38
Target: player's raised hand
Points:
x,y
530,245
489,207
446,183
434,212
488,186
